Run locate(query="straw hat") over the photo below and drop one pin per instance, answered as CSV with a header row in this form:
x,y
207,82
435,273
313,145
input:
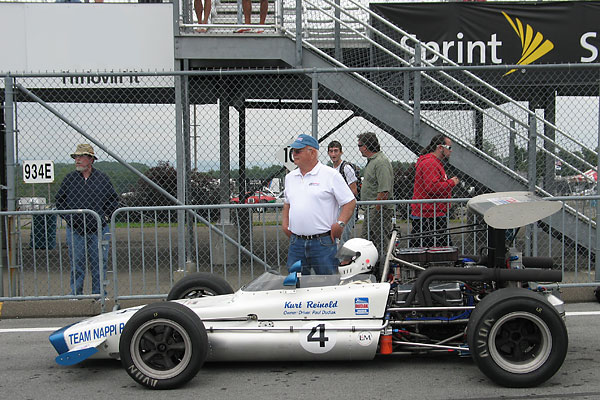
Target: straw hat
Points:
x,y
84,149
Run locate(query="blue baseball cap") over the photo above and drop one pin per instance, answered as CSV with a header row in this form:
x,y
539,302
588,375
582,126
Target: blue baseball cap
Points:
x,y
303,141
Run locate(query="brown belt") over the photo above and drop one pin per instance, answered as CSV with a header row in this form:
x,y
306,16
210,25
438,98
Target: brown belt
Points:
x,y
310,237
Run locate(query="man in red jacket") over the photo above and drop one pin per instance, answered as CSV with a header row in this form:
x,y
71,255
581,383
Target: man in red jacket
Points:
x,y
431,182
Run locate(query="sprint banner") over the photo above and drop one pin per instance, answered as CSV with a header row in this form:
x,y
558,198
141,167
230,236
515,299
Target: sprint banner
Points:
x,y
501,33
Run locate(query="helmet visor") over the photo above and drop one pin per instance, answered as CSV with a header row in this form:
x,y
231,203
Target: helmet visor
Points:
x,y
346,255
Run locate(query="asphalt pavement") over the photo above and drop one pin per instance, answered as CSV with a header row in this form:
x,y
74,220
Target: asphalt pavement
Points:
x,y
28,371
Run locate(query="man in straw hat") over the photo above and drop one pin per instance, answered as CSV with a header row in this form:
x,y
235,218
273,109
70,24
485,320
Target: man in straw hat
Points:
x,y
86,188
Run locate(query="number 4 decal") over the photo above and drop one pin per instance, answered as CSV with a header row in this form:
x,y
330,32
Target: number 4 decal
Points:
x,y
318,337
321,338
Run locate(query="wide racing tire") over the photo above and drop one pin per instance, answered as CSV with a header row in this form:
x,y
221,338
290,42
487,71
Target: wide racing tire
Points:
x,y
163,345
199,284
517,338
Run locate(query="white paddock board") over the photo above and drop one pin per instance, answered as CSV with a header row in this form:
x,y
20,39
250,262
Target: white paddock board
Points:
x,y
81,37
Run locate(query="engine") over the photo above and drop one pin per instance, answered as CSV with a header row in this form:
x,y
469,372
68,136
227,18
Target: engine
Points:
x,y
409,262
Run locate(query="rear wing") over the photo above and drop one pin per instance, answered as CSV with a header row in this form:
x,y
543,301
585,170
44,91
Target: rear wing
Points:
x,y
509,210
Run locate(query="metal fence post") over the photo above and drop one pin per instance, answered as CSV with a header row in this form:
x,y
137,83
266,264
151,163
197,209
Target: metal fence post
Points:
x,y
511,145
10,142
8,120
181,175
10,179
315,105
531,172
598,192
176,9
101,243
336,33
298,33
417,94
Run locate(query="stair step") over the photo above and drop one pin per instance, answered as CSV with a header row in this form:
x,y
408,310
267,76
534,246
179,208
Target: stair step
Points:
x,y
225,20
233,8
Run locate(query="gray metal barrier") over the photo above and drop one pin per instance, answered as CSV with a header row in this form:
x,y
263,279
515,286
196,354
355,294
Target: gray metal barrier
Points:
x,y
146,246
39,263
146,241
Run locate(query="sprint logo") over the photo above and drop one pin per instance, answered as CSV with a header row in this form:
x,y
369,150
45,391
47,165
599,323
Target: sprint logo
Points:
x,y
533,46
484,44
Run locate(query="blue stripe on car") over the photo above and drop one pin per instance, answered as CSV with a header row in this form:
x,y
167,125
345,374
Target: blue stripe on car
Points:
x,y
57,338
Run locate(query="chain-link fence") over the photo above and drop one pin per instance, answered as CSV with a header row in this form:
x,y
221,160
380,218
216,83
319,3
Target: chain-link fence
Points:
x,y
145,248
220,137
255,115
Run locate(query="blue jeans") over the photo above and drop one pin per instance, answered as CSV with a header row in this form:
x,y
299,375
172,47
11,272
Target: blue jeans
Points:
x,y
317,254
83,249
435,228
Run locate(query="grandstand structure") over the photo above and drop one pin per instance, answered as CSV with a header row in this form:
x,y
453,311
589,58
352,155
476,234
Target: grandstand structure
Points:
x,y
412,107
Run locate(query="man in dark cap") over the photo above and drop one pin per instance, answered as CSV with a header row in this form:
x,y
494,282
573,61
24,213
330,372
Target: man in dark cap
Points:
x,y
86,188
314,194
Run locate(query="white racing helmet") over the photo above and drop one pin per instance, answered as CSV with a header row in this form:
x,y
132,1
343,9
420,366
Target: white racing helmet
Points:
x,y
357,256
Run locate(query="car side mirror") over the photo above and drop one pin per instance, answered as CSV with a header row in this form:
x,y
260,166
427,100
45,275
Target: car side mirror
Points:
x,y
291,279
296,267
295,273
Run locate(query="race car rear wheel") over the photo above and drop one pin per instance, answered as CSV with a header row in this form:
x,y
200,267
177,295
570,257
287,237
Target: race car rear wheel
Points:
x,y
517,338
163,345
199,284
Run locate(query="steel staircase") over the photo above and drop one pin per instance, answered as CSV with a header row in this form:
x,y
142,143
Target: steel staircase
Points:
x,y
370,41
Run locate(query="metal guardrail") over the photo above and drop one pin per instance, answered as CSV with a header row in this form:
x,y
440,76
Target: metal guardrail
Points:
x,y
41,264
146,247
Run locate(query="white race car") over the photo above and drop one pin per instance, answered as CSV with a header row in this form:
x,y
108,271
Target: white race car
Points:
x,y
424,301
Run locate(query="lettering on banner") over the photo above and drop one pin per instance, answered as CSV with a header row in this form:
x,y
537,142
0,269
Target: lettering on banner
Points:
x,y
100,79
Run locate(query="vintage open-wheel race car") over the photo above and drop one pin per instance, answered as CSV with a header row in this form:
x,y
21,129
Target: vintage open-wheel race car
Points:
x,y
420,301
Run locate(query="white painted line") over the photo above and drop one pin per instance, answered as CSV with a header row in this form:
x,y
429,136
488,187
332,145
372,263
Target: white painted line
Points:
x,y
26,330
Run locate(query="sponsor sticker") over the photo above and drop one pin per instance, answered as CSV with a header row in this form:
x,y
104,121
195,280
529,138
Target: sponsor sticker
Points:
x,y
361,306
503,200
365,338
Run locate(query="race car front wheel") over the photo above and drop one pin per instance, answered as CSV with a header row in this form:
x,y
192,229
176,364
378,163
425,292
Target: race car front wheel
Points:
x,y
163,345
517,338
199,284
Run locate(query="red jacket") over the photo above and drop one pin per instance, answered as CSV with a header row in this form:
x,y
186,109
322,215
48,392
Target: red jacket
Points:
x,y
431,182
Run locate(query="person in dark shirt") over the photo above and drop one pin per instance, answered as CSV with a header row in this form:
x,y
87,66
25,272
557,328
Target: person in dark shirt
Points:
x,y
86,188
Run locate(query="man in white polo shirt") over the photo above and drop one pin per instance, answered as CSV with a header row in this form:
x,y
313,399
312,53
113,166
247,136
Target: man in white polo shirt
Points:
x,y
314,194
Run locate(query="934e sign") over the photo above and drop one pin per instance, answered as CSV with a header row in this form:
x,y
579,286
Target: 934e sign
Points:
x,y
38,171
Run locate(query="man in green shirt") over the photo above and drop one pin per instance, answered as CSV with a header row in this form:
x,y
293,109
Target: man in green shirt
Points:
x,y
378,184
